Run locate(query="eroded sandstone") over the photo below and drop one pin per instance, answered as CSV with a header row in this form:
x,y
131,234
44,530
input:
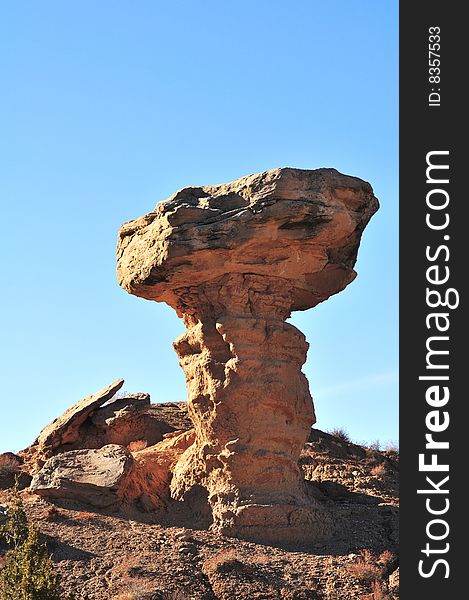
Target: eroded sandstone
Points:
x,y
148,482
65,430
109,416
234,260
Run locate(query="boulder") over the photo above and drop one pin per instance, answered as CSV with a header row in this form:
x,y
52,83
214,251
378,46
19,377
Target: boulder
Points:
x,y
65,430
93,476
234,260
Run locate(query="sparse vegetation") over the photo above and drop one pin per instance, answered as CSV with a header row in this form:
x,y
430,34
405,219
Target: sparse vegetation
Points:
x,y
111,556
386,558
136,587
223,560
366,569
82,515
377,592
378,470
341,434
28,572
391,449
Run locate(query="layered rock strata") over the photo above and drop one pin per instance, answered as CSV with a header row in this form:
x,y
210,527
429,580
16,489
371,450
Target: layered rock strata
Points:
x,y
234,260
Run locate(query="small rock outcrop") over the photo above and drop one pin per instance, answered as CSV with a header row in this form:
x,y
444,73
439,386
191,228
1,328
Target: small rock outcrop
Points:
x,y
93,477
234,260
106,418
147,485
65,430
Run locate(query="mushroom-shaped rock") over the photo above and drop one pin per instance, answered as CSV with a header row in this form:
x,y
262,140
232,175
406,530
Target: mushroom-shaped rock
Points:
x,y
234,260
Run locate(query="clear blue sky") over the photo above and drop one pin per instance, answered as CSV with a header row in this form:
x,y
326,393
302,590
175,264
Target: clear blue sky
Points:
x,y
107,107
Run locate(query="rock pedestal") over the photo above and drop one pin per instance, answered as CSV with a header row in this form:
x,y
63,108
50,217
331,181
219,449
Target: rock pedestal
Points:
x,y
252,412
234,260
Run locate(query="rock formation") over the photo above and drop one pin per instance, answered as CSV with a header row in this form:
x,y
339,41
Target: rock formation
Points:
x,y
65,430
148,482
234,260
91,476
104,418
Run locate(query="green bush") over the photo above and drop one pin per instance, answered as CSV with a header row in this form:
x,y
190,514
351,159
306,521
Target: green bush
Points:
x,y
15,530
29,572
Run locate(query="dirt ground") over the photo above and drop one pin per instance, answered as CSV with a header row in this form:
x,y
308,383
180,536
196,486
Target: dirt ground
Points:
x,y
135,556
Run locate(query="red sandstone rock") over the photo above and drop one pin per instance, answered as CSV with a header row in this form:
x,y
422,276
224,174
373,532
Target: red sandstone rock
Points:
x,y
234,260
147,485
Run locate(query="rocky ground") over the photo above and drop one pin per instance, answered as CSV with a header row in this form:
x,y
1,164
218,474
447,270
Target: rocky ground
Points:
x,y
126,554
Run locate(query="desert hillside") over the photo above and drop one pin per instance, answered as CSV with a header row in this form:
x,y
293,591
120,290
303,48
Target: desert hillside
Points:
x,y
129,551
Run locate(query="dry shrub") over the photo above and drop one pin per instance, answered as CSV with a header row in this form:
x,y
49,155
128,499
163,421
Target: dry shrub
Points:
x,y
377,592
392,448
49,513
135,590
341,434
131,594
375,446
366,568
137,445
378,471
386,558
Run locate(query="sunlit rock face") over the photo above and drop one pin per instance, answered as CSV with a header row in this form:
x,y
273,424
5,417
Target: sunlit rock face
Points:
x,y
234,260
